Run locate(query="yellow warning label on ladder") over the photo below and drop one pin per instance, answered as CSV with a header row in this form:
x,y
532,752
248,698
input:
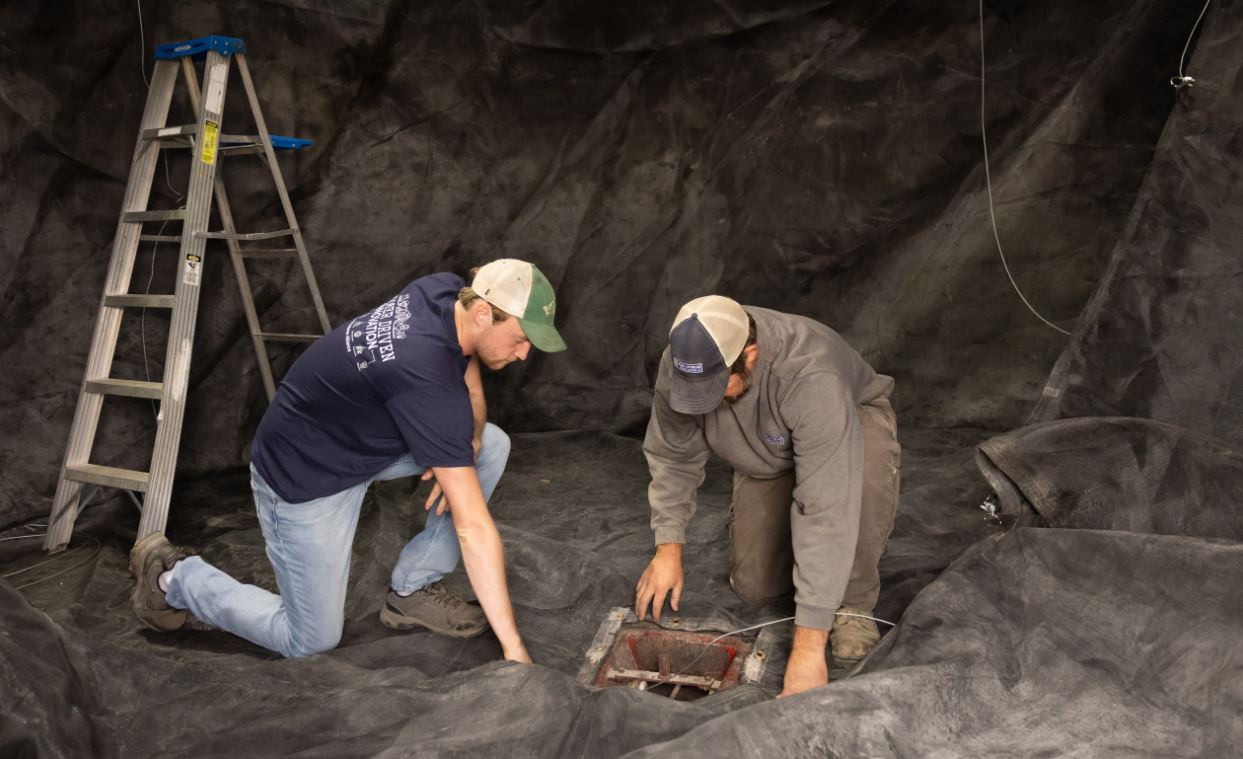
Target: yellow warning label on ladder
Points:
x,y
211,135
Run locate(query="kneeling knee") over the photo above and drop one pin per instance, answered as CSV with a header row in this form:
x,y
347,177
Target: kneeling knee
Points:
x,y
757,592
301,647
495,442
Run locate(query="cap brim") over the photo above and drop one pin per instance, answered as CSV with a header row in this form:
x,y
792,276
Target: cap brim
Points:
x,y
698,396
543,336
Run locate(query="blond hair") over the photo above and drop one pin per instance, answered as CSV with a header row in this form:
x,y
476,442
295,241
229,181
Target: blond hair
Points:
x,y
467,297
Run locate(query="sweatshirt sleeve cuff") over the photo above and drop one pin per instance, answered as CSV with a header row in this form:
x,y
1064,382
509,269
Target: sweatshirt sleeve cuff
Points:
x,y
814,617
670,535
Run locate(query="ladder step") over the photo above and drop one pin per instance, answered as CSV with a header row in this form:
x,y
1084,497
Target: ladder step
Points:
x,y
128,479
270,253
288,337
128,388
139,301
137,217
160,238
247,235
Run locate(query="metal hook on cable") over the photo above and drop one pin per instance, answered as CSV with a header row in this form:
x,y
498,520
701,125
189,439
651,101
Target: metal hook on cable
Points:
x,y
1178,81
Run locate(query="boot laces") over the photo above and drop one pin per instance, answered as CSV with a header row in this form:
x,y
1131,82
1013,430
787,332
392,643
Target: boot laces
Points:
x,y
440,596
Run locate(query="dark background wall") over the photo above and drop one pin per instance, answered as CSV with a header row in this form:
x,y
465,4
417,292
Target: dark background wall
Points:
x,y
820,158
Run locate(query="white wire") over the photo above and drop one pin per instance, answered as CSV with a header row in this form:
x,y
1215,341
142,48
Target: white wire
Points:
x,y
142,317
142,46
1182,76
988,179
773,622
23,570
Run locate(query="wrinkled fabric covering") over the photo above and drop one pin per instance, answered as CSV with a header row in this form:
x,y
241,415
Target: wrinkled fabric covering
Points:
x,y
207,693
1160,337
815,157
1118,474
1032,644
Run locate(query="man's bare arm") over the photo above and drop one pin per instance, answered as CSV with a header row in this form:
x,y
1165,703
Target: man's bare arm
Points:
x,y
478,403
479,411
482,554
806,668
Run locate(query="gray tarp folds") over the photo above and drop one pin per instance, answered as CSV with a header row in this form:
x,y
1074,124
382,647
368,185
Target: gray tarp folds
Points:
x,y
813,157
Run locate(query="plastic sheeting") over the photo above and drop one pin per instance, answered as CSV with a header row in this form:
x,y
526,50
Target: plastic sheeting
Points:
x,y
82,672
819,158
815,157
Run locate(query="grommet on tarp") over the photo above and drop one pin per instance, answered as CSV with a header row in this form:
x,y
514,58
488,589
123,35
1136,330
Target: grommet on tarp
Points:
x,y
1179,81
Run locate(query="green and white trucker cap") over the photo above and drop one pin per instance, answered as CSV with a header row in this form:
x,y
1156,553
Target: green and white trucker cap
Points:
x,y
520,289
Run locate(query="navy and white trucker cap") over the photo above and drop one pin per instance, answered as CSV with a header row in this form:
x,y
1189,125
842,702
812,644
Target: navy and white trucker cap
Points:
x,y
708,335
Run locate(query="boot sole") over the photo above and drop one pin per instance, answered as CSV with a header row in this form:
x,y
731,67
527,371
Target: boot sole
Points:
x,y
395,621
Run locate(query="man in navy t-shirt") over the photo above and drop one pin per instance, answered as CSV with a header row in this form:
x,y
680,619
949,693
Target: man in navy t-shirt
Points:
x,y
393,393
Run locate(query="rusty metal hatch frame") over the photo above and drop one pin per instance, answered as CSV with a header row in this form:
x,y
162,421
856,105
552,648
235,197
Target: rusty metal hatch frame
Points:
x,y
622,625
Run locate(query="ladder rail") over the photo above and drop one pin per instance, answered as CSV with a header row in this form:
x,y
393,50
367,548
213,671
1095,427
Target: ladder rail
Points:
x,y
108,322
235,257
270,159
186,296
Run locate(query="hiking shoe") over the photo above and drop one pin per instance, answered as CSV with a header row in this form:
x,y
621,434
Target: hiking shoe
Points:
x,y
149,558
853,637
436,609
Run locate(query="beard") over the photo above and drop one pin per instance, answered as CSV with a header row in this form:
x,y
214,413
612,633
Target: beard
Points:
x,y
748,377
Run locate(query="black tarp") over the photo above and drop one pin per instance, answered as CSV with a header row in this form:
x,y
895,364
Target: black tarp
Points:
x,y
821,158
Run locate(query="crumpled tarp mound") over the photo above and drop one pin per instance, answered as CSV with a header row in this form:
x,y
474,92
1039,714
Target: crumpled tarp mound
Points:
x,y
1030,645
1118,474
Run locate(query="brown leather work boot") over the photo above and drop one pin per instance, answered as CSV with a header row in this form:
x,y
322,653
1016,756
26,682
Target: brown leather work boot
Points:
x,y
853,637
436,609
148,559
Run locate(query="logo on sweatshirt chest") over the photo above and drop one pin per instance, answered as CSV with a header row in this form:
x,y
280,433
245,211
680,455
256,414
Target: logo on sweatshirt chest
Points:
x,y
772,439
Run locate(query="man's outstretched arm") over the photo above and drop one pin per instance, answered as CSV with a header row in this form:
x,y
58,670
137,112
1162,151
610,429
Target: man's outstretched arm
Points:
x,y
824,518
676,453
482,554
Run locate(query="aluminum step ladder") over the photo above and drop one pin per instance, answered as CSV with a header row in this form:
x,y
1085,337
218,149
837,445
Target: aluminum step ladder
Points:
x,y
207,145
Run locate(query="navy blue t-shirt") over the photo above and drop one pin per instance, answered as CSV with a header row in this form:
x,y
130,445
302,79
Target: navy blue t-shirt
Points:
x,y
388,383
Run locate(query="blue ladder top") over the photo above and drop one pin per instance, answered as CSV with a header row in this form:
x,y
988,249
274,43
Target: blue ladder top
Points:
x,y
199,47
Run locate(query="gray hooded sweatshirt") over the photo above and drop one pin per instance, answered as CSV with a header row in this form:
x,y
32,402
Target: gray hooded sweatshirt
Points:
x,y
800,413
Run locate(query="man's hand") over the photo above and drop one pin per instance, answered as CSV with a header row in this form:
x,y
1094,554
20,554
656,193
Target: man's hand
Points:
x,y
476,443
436,493
806,668
663,574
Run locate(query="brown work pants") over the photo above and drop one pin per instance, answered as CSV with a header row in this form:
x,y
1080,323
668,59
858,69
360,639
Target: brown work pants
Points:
x,y
762,561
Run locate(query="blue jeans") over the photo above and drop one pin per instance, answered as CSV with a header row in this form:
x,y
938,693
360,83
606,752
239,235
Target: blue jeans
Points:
x,y
309,546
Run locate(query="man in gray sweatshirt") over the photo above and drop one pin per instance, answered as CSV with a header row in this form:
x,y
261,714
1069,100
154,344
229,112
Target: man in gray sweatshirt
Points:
x,y
807,426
